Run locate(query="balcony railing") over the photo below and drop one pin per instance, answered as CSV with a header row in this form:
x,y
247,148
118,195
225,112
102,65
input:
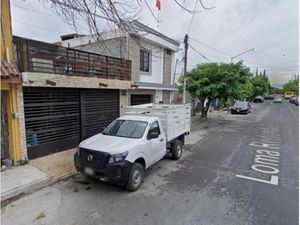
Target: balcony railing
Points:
x,y
35,56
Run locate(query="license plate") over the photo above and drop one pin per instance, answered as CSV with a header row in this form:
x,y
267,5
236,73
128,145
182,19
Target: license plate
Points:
x,y
89,171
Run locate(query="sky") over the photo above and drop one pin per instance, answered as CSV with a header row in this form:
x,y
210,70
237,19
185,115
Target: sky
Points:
x,y
270,27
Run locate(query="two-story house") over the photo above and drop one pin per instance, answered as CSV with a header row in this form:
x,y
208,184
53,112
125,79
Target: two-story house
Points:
x,y
152,55
67,95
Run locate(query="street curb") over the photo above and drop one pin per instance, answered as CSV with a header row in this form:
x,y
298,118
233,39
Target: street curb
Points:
x,y
26,188
31,187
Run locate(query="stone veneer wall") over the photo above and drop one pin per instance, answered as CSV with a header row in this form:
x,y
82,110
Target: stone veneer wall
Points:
x,y
31,79
167,68
22,122
166,97
124,100
134,56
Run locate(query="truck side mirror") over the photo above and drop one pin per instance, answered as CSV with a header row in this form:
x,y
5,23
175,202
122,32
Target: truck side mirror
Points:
x,y
153,135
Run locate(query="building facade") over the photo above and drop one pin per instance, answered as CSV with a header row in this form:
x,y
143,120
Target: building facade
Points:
x,y
152,55
67,95
10,87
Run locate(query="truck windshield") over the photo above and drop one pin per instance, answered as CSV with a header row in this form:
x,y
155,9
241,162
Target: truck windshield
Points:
x,y
126,128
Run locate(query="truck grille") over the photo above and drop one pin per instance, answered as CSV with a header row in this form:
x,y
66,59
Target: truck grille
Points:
x,y
94,159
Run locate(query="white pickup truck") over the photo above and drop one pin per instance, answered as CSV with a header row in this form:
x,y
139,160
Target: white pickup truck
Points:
x,y
133,142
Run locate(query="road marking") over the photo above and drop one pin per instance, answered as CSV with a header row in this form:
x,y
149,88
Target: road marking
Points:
x,y
262,169
264,145
266,161
293,112
274,179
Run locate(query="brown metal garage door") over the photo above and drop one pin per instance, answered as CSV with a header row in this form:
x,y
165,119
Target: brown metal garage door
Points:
x,y
140,99
98,109
57,119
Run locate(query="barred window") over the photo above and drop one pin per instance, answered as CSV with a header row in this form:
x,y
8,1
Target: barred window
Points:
x,y
144,60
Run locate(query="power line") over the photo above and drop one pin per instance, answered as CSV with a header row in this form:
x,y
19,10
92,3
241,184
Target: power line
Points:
x,y
192,19
35,11
204,7
199,53
201,22
227,54
212,48
42,28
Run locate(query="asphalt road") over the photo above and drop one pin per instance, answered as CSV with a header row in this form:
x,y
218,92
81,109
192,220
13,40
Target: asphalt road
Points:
x,y
244,172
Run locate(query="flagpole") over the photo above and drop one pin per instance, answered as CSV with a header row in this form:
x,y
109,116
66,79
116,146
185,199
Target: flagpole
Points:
x,y
157,19
158,9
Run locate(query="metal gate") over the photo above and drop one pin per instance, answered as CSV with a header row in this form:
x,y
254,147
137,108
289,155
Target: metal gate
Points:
x,y
98,109
140,99
57,119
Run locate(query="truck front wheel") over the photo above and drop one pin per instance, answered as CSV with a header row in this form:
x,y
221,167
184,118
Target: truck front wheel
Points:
x,y
176,150
135,178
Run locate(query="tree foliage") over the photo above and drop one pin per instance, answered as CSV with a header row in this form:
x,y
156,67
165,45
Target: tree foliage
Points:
x,y
275,90
292,85
261,84
213,80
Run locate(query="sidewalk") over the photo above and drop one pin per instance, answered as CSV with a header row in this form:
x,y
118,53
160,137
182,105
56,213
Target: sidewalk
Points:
x,y
22,179
202,128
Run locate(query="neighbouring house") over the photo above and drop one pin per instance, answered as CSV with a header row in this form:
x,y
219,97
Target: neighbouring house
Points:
x,y
11,153
152,55
68,95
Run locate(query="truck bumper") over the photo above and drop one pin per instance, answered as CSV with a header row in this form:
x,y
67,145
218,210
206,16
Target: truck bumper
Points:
x,y
117,173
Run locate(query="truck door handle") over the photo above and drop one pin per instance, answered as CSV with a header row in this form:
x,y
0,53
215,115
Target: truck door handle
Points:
x,y
161,140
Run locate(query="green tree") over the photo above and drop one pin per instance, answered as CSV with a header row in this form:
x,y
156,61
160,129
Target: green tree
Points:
x,y
292,85
275,90
236,76
261,84
222,81
245,90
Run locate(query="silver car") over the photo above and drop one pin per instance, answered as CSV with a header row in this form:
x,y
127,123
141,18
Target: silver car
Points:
x,y
277,100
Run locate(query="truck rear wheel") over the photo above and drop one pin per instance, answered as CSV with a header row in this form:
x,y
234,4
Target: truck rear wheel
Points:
x,y
135,178
176,150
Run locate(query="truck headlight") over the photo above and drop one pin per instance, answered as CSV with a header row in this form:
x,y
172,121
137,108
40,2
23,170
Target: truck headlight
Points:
x,y
117,157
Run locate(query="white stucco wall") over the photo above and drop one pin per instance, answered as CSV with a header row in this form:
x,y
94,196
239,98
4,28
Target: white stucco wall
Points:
x,y
171,97
158,96
156,65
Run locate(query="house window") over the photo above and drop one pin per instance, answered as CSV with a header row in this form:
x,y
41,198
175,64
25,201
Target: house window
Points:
x,y
144,61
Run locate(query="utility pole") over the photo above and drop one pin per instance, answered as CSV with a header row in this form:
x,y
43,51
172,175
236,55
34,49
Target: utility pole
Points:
x,y
186,45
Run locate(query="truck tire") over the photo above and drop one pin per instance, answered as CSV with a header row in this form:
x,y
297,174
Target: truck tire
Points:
x,y
176,150
135,178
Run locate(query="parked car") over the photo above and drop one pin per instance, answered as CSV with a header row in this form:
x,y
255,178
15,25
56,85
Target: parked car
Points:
x,y
134,142
269,97
293,99
241,107
277,100
258,99
297,101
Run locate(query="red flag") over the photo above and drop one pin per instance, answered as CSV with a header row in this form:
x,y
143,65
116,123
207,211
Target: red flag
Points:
x,y
158,4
